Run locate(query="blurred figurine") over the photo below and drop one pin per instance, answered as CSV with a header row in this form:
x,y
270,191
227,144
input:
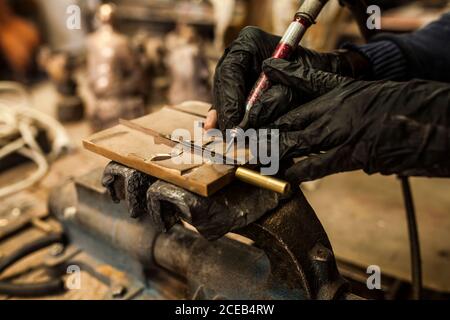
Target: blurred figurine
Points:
x,y
223,15
60,67
114,73
188,66
151,52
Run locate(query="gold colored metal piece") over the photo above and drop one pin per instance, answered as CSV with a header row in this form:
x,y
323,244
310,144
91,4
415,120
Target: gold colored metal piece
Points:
x,y
266,182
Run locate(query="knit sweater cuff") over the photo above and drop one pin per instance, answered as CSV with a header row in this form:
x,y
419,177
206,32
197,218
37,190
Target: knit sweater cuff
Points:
x,y
387,60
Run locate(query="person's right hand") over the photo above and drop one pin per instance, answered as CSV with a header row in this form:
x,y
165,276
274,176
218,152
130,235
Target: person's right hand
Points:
x,y
240,67
382,127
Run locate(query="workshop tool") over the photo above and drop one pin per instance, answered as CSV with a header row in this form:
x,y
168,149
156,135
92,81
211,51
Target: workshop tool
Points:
x,y
54,285
244,174
291,257
303,19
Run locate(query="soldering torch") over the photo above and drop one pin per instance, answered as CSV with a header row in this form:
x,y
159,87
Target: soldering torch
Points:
x,y
303,19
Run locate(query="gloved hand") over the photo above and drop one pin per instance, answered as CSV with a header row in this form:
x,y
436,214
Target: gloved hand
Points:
x,y
381,127
240,66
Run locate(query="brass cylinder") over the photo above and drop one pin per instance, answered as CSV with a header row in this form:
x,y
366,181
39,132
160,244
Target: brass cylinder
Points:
x,y
266,182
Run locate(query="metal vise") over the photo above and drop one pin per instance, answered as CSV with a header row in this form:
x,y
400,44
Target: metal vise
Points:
x,y
290,257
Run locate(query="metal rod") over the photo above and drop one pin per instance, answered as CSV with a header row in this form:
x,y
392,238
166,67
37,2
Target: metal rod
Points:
x,y
266,182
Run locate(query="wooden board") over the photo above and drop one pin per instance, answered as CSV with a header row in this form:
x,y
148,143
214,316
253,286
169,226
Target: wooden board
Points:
x,y
137,150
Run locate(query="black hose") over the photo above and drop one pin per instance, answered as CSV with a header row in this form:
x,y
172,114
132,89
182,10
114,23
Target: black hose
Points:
x,y
32,289
35,289
416,263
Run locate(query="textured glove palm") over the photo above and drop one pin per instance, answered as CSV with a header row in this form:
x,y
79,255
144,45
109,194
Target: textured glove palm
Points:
x,y
385,127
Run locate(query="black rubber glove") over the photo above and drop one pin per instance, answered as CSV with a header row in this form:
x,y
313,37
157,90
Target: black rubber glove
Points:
x,y
240,66
381,127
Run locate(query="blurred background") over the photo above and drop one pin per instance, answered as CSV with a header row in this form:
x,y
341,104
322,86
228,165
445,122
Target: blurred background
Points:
x,y
69,68
50,40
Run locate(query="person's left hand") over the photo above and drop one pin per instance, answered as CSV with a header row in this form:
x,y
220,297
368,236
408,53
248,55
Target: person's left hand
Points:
x,y
381,127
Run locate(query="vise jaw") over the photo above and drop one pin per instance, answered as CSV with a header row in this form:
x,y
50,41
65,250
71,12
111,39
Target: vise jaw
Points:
x,y
289,255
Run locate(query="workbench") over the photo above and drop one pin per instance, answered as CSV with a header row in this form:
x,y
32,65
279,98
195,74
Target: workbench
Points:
x,y
363,216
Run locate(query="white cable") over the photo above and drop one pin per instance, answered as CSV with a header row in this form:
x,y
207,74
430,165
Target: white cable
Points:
x,y
60,139
18,122
12,147
42,169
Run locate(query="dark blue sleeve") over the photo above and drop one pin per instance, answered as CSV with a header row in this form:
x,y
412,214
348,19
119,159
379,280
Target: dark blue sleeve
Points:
x,y
422,54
